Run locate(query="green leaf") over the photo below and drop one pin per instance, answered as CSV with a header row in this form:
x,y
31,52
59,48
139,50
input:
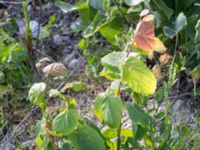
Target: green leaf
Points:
x,y
161,6
36,94
65,7
98,107
40,126
2,77
181,21
197,28
75,86
138,116
54,93
139,131
66,146
108,109
96,4
113,61
65,122
111,30
44,143
112,109
86,138
138,77
110,133
97,23
133,2
169,32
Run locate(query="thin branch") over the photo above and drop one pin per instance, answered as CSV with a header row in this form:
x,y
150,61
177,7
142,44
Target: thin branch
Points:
x,y
39,23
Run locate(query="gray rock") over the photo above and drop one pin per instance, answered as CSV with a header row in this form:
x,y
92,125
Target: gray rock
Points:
x,y
69,58
60,40
181,110
34,26
74,25
74,63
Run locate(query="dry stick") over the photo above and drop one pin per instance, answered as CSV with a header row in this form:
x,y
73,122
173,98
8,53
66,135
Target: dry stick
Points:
x,y
39,23
4,142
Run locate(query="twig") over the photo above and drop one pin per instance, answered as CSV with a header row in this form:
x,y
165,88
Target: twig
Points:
x,y
6,140
39,23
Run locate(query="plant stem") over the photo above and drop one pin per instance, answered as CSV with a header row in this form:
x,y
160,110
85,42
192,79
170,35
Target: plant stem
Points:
x,y
27,26
119,137
118,93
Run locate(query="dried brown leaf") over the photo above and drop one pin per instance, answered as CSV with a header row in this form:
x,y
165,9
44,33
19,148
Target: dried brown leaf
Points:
x,y
55,69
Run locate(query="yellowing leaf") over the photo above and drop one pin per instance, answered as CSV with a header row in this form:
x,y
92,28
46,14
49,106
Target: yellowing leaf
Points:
x,y
144,38
159,46
138,77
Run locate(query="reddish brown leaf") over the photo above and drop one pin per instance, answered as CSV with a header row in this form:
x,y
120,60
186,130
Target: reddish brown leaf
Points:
x,y
144,38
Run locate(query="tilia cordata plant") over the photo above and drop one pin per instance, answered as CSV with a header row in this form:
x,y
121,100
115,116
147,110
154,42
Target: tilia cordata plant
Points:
x,y
64,128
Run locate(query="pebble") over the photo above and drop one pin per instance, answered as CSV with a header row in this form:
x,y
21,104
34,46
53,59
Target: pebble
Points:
x,y
60,40
69,58
74,63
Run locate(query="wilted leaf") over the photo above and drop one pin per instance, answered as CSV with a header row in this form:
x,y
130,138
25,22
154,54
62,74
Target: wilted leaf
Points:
x,y
55,69
157,72
164,58
144,38
38,66
44,60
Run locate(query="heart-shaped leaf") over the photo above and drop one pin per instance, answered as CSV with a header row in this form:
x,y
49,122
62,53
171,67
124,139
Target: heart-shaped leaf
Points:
x,y
144,38
65,122
136,74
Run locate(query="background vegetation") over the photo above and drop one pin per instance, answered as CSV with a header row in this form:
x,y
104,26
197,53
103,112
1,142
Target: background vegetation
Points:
x,y
100,74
